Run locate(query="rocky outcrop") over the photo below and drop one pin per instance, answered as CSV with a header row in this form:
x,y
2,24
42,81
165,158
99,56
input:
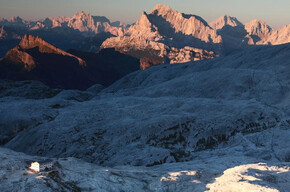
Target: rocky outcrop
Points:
x,y
188,54
18,56
30,42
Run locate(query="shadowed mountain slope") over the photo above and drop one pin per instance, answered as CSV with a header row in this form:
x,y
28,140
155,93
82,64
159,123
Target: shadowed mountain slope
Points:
x,y
35,59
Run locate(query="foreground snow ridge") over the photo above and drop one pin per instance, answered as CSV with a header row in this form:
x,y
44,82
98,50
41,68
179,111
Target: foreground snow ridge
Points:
x,y
74,175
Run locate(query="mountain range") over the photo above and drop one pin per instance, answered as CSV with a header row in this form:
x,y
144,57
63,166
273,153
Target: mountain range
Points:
x,y
166,34
163,36
81,31
82,21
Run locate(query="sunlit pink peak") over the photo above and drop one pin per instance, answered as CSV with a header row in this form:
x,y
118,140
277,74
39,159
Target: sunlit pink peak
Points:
x,y
259,24
143,19
256,26
225,20
161,7
82,14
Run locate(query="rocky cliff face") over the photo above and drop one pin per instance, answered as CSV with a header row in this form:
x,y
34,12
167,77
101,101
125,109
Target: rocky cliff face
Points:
x,y
190,25
167,36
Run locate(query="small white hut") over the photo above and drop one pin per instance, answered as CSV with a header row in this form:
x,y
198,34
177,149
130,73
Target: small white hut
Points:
x,y
41,165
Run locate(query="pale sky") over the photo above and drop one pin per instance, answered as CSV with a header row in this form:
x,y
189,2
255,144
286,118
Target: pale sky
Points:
x,y
275,12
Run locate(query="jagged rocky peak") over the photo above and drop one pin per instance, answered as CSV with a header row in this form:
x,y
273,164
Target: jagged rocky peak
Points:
x,y
161,9
143,29
169,14
259,28
16,19
225,20
82,14
85,22
29,41
144,20
280,36
81,20
183,23
85,16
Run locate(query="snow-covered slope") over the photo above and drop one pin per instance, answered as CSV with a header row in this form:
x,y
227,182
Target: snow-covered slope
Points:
x,y
212,171
159,115
195,126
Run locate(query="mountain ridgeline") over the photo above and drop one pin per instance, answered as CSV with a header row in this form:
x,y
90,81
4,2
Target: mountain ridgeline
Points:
x,y
35,59
162,36
169,36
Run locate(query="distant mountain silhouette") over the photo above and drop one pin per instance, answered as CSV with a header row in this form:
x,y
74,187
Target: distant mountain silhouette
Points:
x,y
35,59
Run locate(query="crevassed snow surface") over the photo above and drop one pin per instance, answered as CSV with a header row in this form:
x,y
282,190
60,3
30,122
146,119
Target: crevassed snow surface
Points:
x,y
216,125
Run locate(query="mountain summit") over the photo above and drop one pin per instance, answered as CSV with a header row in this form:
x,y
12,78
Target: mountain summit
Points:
x,y
225,20
185,24
167,36
259,29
